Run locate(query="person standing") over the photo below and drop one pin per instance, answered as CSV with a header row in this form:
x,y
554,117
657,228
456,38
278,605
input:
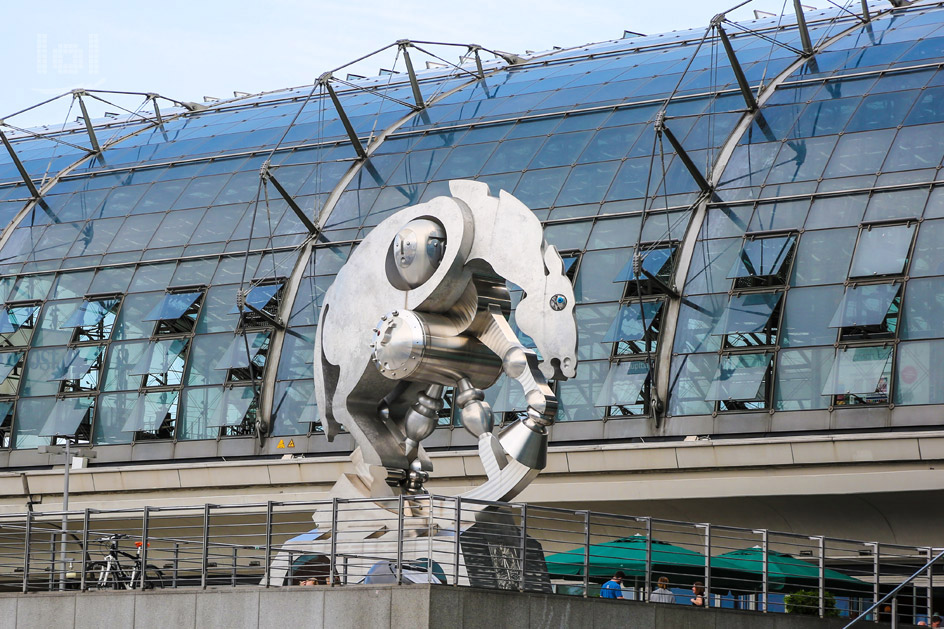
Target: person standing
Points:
x,y
662,594
612,588
699,599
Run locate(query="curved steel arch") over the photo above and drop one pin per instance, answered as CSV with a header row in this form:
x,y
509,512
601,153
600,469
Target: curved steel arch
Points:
x,y
687,247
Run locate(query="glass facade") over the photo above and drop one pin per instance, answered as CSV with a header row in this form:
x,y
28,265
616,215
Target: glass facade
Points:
x,y
166,291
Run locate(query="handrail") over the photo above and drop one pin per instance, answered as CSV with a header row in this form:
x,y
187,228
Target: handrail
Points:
x,y
894,592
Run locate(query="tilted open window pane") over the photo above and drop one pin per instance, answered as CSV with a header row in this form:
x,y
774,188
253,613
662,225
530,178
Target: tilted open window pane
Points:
x,y
739,377
91,313
150,411
16,317
763,257
658,262
633,321
860,371
66,417
259,297
77,362
624,381
236,355
882,250
864,305
8,363
233,406
161,357
748,314
172,306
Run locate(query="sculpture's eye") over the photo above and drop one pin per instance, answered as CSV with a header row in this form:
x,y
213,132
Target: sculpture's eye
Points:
x,y
558,302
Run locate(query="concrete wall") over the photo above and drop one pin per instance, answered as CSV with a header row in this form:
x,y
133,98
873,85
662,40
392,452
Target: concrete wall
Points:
x,y
360,607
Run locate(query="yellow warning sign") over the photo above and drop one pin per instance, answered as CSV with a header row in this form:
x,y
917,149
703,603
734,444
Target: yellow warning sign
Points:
x,y
281,445
291,443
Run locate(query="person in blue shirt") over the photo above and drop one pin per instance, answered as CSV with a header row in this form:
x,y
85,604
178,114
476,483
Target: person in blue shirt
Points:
x,y
612,589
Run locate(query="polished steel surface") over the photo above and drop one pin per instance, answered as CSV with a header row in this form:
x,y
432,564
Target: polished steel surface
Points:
x,y
421,305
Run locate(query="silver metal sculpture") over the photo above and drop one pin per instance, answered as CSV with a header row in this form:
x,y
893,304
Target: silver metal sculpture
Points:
x,y
421,305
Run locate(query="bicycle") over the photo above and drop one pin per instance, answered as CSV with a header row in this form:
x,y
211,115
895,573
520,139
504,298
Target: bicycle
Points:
x,y
110,574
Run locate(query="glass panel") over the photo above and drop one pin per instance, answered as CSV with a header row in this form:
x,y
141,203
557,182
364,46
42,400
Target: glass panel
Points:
x,y
801,375
111,413
864,305
66,416
806,316
594,276
160,356
923,309
172,306
204,353
623,384
197,406
633,321
293,407
823,257
510,397
691,376
77,363
882,250
237,356
929,250
860,371
657,262
8,361
748,314
233,406
91,313
150,411
16,317
259,296
919,375
31,414
121,358
762,257
41,363
739,377
576,395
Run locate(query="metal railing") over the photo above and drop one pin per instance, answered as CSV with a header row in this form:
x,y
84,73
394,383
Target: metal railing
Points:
x,y
499,545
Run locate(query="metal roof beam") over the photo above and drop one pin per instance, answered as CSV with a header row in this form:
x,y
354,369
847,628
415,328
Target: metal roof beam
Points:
x,y
802,28
267,176
96,147
682,154
325,80
34,192
414,83
736,67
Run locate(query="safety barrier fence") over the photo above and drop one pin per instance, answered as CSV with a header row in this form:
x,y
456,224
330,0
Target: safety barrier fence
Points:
x,y
499,545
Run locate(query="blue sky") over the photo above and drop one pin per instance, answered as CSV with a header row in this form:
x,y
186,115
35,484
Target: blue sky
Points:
x,y
188,50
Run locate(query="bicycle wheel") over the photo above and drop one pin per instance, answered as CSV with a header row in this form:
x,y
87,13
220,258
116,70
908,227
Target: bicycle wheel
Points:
x,y
154,578
96,575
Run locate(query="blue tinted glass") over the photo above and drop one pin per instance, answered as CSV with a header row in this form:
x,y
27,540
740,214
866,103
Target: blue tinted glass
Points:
x,y
880,111
738,377
859,153
66,416
633,321
864,305
748,314
259,296
76,363
91,313
233,406
653,261
15,317
172,306
623,383
762,257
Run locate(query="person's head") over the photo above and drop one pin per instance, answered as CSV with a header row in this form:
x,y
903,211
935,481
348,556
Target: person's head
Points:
x,y
619,576
664,582
935,621
698,588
